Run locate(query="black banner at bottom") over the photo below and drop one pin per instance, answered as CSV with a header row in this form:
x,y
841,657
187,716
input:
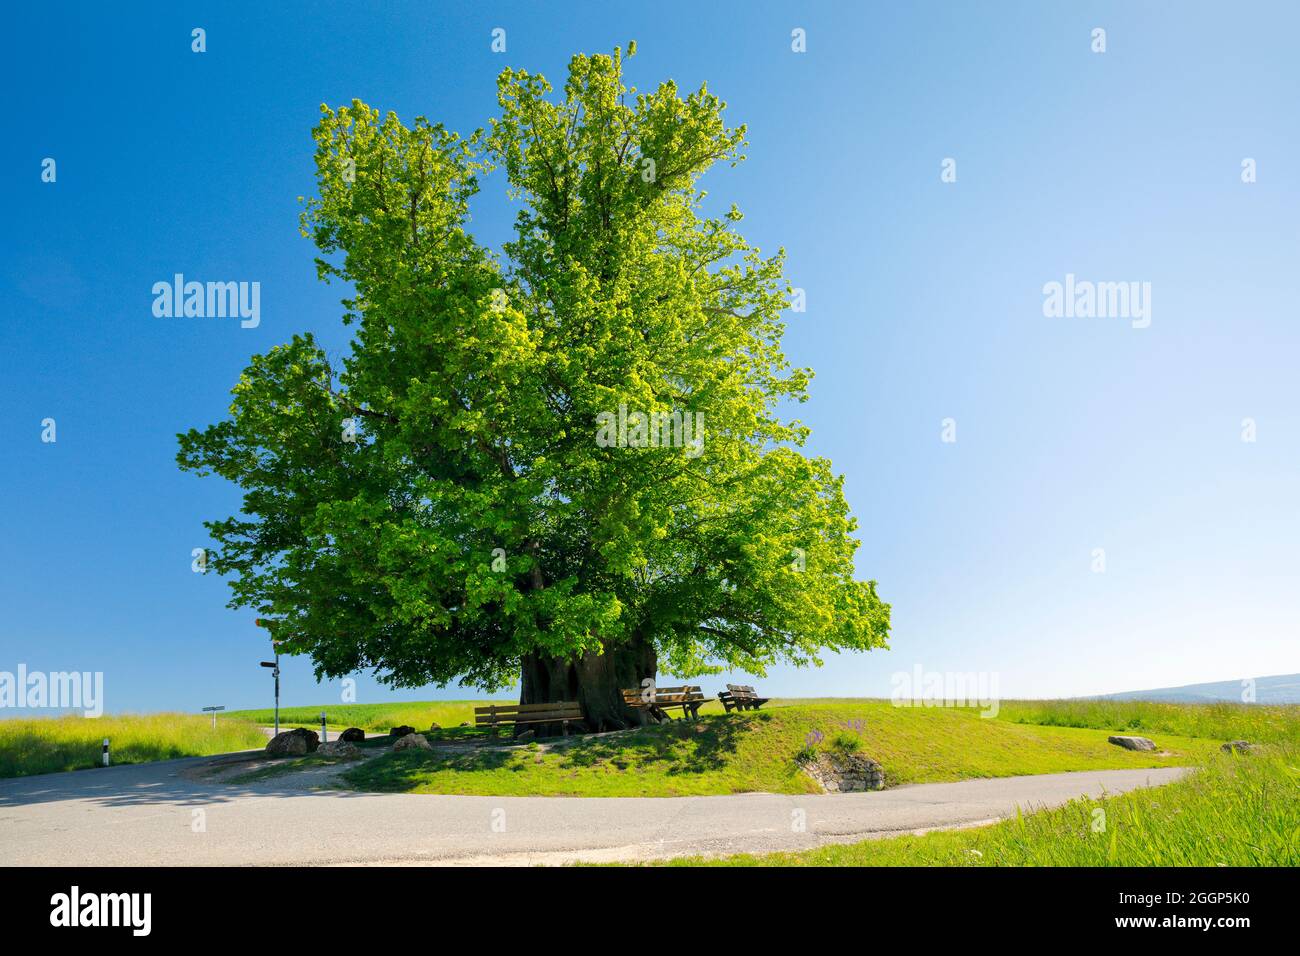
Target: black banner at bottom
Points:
x,y
336,905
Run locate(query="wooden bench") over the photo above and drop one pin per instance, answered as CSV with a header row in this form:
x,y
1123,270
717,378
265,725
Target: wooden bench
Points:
x,y
689,699
495,716
741,697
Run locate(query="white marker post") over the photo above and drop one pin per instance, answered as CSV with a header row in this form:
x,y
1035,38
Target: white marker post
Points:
x,y
214,714
105,751
324,735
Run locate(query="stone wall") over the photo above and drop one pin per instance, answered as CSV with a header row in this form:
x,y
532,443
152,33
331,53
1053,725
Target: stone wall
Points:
x,y
845,773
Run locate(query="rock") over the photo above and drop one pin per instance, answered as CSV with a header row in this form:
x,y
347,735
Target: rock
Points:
x,y
1132,743
840,772
293,743
339,748
464,723
412,741
1240,746
434,727
353,735
401,731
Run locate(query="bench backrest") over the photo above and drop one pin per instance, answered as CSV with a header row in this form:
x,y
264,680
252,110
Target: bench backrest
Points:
x,y
663,695
528,713
741,691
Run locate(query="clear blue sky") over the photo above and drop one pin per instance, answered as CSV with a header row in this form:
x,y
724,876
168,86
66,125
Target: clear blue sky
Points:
x,y
924,302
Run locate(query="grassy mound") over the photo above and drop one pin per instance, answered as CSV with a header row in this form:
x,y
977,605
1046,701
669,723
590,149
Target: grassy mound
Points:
x,y
1234,811
51,744
756,751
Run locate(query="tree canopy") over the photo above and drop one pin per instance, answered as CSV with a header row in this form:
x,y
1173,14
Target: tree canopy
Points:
x,y
503,469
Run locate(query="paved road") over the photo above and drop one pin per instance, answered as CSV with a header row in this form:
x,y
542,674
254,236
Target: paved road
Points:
x,y
146,814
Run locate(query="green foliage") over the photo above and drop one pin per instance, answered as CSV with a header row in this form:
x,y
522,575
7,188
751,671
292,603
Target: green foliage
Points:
x,y
846,743
806,754
51,744
469,517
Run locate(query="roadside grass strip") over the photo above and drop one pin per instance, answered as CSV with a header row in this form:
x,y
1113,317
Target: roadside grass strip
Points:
x,y
52,744
1233,811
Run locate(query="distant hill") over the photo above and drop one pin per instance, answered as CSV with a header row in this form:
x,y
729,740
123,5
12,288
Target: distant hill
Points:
x,y
1280,689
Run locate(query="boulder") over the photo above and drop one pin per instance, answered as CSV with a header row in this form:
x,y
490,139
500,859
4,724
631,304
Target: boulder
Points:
x,y
1132,743
401,731
1239,746
464,723
339,748
412,742
293,743
434,727
353,735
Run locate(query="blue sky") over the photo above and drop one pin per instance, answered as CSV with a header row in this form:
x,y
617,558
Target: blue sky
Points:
x,y
925,302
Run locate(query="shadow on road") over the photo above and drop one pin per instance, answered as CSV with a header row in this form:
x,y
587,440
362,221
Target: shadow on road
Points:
x,y
160,783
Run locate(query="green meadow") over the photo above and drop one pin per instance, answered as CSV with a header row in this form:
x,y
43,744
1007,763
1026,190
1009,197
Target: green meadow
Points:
x,y
370,717
51,744
1254,722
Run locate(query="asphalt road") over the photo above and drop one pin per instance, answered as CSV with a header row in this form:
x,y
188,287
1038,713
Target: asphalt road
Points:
x,y
154,814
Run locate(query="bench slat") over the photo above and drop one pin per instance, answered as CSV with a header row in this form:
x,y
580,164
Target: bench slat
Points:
x,y
496,715
632,695
531,717
512,708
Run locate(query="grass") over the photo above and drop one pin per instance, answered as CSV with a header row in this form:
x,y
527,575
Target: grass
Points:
x,y
448,714
1254,722
50,744
756,751
1234,811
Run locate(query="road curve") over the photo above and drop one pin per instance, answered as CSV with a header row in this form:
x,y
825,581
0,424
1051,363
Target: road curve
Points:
x,y
153,814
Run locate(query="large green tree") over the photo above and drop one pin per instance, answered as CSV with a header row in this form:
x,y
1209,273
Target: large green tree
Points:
x,y
474,493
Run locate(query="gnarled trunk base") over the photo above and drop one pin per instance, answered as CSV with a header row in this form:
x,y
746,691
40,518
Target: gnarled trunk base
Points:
x,y
595,681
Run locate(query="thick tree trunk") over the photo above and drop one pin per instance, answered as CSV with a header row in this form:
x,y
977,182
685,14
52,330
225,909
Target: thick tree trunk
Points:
x,y
595,681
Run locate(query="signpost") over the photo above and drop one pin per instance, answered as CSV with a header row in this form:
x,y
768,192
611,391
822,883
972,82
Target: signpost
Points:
x,y
275,672
214,714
